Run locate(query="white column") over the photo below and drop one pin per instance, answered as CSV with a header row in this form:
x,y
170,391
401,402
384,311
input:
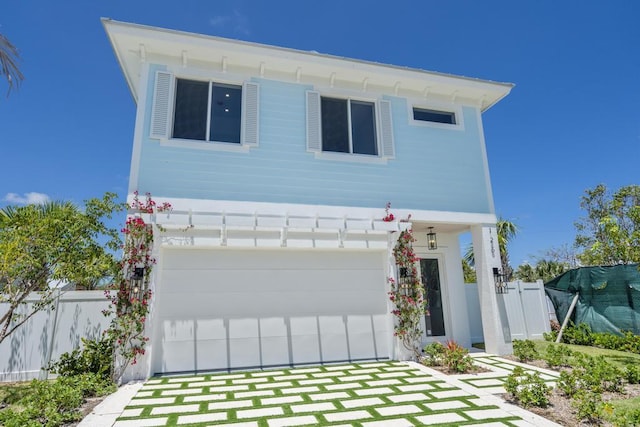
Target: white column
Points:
x,y
398,350
495,324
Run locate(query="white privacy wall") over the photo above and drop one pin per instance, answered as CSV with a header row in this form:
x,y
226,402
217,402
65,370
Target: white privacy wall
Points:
x,y
49,333
526,308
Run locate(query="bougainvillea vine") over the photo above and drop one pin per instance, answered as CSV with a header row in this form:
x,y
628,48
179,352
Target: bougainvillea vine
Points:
x,y
407,292
129,305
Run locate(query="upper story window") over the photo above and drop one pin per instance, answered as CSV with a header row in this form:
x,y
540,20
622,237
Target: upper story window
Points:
x,y
349,126
196,118
204,111
434,116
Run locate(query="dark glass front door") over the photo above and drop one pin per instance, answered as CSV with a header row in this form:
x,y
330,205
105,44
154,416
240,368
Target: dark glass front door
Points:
x,y
434,317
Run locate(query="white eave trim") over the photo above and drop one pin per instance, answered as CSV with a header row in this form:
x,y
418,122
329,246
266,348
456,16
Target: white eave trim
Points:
x,y
126,39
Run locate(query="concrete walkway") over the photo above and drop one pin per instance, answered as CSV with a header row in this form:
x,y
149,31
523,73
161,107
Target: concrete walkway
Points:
x,y
363,394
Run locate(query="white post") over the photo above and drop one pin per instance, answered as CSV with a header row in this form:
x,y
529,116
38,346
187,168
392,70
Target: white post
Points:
x,y
495,324
568,316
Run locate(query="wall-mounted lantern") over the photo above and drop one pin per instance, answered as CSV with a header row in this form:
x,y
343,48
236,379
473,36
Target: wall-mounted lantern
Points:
x,y
432,242
137,282
404,280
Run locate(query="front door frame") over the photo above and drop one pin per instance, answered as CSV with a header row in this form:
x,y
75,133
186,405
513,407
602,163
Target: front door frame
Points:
x,y
444,295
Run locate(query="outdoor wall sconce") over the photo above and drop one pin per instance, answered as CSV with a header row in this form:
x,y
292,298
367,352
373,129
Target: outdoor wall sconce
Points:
x,y
432,242
403,280
500,280
137,279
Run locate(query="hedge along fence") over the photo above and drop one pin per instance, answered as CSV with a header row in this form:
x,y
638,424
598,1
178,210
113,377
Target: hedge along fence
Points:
x,y
51,332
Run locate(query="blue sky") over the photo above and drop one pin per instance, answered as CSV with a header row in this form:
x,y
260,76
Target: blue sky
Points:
x,y
571,122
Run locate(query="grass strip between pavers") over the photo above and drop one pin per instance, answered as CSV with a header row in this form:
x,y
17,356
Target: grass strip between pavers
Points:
x,y
374,372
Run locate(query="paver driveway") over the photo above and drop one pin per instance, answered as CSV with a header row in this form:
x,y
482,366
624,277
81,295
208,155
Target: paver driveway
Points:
x,y
361,394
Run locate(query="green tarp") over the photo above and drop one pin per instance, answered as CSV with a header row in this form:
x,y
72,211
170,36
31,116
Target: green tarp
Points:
x,y
609,298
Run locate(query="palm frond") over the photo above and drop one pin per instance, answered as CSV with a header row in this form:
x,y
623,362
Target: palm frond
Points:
x,y
9,57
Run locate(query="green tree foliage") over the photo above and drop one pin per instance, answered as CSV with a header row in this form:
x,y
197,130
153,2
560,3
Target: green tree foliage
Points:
x,y
610,231
468,272
544,270
54,243
9,63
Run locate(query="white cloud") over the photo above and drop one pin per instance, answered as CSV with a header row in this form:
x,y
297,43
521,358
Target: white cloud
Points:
x,y
237,22
26,198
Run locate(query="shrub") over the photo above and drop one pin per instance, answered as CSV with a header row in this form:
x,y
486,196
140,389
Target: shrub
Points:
x,y
557,355
525,350
578,334
433,353
550,336
604,375
456,357
588,405
632,374
608,341
54,403
528,388
568,383
631,342
95,357
626,417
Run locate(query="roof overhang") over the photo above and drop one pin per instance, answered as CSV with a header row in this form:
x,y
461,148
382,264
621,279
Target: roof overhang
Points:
x,y
136,44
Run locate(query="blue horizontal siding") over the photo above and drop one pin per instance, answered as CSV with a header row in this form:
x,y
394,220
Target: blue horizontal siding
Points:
x,y
434,169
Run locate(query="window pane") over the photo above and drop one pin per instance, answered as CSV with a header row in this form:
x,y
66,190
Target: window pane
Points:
x,y
363,128
434,116
190,117
226,113
335,126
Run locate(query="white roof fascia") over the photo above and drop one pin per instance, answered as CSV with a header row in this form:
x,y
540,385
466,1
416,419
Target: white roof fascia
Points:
x,y
132,42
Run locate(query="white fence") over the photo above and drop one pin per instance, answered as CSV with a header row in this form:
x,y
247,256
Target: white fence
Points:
x,y
78,314
526,307
49,333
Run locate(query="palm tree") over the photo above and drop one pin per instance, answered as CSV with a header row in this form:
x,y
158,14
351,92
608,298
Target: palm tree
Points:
x,y
506,230
9,63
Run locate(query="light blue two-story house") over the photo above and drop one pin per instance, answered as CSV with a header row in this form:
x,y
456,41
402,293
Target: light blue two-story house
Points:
x,y
279,164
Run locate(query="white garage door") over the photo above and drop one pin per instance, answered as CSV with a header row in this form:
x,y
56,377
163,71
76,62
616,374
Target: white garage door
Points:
x,y
231,308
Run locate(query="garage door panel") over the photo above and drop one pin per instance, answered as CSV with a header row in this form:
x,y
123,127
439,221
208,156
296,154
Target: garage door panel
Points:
x,y
332,325
273,327
211,329
243,328
211,354
235,305
177,356
305,348
221,309
306,325
179,282
334,347
226,259
178,330
359,324
382,343
244,352
362,345
275,350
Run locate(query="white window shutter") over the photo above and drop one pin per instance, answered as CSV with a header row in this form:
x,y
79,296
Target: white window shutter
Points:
x,y
314,136
161,107
250,108
386,130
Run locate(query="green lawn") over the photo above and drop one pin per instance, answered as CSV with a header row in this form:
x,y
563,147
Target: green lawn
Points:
x,y
619,358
